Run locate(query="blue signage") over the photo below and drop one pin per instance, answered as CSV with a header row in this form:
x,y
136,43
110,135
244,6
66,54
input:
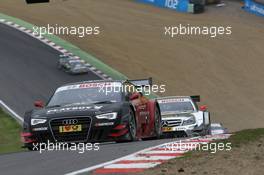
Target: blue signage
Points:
x,y
254,7
178,5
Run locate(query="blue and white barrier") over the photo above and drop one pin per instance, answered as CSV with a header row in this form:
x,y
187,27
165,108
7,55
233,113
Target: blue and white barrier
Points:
x,y
191,6
255,6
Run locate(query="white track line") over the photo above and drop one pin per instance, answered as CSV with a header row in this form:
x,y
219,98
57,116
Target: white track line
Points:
x,y
135,156
11,112
134,165
50,44
128,157
165,152
150,158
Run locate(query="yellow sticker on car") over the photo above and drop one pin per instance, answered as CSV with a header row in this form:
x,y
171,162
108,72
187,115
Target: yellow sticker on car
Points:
x,y
167,129
70,128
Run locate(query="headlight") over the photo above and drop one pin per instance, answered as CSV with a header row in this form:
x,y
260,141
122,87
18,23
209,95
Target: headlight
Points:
x,y
37,121
109,116
189,121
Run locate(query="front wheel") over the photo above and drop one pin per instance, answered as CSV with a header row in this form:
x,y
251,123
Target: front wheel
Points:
x,y
206,124
132,126
132,129
31,147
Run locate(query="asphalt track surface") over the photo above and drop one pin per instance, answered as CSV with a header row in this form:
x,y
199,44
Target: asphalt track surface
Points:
x,y
28,70
27,73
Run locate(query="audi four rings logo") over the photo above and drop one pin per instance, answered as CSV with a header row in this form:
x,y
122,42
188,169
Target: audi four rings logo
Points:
x,y
70,122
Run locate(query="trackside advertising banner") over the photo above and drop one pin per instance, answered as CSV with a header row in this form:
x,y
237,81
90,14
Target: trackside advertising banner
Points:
x,y
178,5
254,6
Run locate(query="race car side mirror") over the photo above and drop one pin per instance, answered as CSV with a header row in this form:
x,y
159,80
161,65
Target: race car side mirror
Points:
x,y
134,96
39,104
203,108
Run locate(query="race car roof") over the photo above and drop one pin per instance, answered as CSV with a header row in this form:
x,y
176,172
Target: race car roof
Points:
x,y
93,81
90,84
104,81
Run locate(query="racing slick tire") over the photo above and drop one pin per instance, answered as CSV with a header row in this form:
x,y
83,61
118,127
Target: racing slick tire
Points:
x,y
206,124
29,147
157,124
132,129
132,126
32,147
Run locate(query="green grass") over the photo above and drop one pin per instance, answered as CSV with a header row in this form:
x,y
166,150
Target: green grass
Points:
x,y
246,136
237,139
9,134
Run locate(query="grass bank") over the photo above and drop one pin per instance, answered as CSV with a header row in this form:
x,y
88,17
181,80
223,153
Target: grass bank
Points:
x,y
9,134
245,157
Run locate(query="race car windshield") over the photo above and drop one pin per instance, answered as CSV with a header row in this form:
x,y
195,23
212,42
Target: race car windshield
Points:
x,y
83,96
176,107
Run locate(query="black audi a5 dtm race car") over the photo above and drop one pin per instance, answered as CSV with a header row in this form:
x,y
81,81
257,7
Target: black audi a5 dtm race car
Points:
x,y
93,111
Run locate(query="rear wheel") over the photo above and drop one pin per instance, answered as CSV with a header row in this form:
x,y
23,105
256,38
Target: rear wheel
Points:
x,y
157,124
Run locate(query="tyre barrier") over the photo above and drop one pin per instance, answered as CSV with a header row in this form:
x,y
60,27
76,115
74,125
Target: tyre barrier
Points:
x,y
254,6
188,6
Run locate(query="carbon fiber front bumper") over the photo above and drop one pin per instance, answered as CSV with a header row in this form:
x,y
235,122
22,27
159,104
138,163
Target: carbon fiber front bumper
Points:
x,y
98,131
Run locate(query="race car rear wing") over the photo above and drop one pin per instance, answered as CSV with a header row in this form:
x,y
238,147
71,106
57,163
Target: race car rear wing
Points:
x,y
141,82
195,98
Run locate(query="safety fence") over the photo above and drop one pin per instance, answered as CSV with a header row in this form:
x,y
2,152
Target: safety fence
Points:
x,y
189,6
255,6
